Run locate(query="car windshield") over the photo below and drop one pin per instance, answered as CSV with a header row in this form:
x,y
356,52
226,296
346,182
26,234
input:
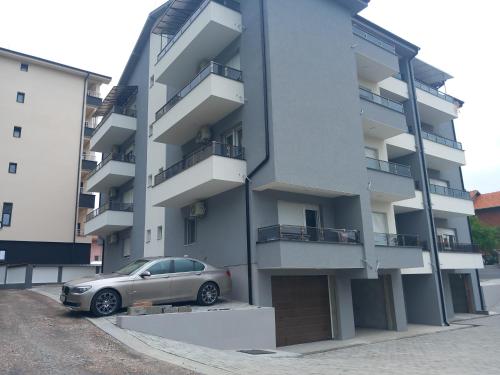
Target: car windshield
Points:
x,y
132,267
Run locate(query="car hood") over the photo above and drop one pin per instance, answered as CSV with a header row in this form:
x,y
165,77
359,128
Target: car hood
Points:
x,y
89,280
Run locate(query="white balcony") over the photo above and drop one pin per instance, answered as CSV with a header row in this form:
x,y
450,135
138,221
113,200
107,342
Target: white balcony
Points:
x,y
449,260
408,205
434,106
442,152
114,129
113,171
204,36
204,174
212,95
448,202
110,218
394,88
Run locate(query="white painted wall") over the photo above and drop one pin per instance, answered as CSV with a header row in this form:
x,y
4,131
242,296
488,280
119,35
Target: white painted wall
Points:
x,y
16,275
72,273
3,270
44,275
452,261
388,210
452,205
292,213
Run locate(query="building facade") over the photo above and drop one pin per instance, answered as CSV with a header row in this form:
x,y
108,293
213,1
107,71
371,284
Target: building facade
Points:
x,y
487,207
41,197
305,149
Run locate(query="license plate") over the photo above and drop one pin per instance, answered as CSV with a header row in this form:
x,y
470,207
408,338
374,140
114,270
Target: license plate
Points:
x,y
62,297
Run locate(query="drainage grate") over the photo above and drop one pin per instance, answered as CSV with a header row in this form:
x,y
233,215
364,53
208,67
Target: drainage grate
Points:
x,y
256,352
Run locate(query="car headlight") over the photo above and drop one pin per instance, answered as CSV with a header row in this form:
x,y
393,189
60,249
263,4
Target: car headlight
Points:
x,y
80,289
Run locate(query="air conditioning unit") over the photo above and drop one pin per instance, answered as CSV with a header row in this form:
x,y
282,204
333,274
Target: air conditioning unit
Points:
x,y
113,239
197,209
204,134
113,193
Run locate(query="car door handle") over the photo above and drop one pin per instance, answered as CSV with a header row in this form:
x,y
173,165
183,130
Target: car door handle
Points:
x,y
198,273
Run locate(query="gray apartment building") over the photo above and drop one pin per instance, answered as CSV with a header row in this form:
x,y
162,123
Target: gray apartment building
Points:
x,y
304,148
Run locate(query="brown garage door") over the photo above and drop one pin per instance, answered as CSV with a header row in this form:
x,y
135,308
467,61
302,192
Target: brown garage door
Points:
x,y
302,307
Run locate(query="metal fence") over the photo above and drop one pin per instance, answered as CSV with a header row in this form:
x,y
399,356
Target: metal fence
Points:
x,y
299,233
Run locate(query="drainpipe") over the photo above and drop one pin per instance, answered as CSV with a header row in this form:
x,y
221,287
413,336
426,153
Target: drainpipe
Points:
x,y
427,194
266,158
80,155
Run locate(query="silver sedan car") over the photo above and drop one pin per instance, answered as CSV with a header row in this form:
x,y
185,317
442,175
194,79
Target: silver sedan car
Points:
x,y
159,280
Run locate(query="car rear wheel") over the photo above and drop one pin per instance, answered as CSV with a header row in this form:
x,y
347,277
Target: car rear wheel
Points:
x,y
208,294
105,302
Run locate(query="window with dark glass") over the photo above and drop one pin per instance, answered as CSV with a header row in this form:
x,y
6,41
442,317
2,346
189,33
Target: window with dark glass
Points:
x,y
7,214
183,265
17,132
160,268
12,167
20,97
189,231
24,67
198,266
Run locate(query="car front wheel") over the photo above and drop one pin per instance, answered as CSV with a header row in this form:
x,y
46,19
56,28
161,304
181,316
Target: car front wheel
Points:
x,y
105,302
208,294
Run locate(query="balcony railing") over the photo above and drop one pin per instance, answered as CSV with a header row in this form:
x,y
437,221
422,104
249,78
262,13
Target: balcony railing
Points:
x,y
227,3
111,206
385,166
439,94
309,234
93,93
396,240
377,99
442,140
373,39
115,156
212,149
459,247
449,192
127,112
88,156
212,68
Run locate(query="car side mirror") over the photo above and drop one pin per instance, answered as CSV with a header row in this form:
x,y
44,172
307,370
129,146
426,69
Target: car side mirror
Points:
x,y
145,274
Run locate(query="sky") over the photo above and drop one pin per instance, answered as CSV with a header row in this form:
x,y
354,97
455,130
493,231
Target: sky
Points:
x,y
453,35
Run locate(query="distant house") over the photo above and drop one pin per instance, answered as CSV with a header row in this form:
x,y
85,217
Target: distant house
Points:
x,y
487,207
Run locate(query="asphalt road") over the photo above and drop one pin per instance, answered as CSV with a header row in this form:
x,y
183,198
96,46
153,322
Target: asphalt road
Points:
x,y
39,336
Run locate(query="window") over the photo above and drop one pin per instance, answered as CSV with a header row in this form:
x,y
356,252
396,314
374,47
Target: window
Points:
x,y
189,231
159,232
7,214
17,132
96,258
20,97
12,167
198,266
148,236
127,247
183,265
24,67
2,255
150,180
161,268
151,81
233,137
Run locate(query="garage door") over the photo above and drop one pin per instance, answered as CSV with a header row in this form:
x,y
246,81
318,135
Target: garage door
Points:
x,y
302,307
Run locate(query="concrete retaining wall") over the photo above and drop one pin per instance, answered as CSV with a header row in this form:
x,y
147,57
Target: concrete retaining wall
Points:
x,y
252,328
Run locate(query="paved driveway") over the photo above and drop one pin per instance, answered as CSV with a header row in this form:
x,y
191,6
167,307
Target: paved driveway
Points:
x,y
38,336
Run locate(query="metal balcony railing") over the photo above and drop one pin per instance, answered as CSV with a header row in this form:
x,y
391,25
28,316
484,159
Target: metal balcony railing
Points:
x,y
111,206
396,240
439,94
93,93
212,149
373,39
89,156
442,140
227,3
459,247
309,234
385,166
377,99
212,68
449,192
115,156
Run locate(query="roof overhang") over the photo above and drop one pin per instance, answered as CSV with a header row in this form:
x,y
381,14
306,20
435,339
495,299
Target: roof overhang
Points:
x,y
355,6
430,75
118,96
175,15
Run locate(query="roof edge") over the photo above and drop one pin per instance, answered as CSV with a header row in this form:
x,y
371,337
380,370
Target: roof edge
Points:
x,y
101,77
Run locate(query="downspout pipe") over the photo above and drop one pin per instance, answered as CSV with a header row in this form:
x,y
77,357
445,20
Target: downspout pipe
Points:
x,y
425,185
78,176
266,158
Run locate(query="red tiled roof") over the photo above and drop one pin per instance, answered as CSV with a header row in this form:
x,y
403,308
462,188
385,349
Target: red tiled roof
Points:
x,y
488,200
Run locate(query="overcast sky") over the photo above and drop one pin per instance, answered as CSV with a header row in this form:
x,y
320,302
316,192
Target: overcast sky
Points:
x,y
459,37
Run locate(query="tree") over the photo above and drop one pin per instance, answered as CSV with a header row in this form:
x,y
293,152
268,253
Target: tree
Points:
x,y
487,237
